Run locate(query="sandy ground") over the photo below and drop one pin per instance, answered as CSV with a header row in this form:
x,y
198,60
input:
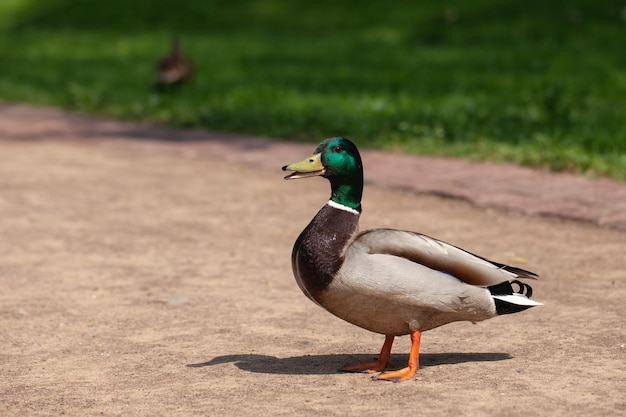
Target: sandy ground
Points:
x,y
138,279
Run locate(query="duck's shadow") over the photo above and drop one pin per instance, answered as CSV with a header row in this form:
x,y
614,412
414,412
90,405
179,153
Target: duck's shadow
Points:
x,y
331,364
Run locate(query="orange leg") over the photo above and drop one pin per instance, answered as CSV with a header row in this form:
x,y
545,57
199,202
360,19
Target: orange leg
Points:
x,y
384,359
408,372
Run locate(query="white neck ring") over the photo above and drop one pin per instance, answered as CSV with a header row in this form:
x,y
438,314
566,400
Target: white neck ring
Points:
x,y
342,207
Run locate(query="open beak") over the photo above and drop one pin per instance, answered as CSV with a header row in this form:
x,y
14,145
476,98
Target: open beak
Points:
x,y
310,167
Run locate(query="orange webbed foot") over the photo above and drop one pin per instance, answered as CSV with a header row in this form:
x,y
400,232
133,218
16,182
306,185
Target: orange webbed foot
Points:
x,y
369,367
384,360
413,365
399,375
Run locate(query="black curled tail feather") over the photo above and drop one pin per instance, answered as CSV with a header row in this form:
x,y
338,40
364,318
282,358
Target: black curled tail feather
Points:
x,y
508,300
506,288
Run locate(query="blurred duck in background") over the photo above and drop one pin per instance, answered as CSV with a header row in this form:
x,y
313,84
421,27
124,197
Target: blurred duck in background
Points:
x,y
174,68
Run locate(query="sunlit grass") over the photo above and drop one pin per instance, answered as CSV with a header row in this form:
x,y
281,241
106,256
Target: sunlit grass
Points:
x,y
530,83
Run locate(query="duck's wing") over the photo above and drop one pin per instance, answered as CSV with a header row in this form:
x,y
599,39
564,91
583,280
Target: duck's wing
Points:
x,y
436,254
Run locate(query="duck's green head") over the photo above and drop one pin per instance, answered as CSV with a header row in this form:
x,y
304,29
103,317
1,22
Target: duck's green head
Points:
x,y
338,160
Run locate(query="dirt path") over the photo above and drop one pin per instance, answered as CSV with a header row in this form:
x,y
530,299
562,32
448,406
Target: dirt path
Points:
x,y
152,278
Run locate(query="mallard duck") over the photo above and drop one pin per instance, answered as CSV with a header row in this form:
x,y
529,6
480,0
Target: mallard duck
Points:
x,y
174,68
392,282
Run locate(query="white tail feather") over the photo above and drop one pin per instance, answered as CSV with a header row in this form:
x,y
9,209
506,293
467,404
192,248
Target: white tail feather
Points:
x,y
518,299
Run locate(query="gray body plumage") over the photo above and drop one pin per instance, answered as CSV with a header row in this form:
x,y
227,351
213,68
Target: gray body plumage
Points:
x,y
393,282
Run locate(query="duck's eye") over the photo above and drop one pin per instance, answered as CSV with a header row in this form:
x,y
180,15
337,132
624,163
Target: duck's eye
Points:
x,y
337,149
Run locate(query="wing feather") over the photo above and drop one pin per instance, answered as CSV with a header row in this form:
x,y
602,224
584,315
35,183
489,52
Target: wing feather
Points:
x,y
441,256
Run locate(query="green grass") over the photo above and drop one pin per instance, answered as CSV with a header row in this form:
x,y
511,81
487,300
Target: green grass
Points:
x,y
524,82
